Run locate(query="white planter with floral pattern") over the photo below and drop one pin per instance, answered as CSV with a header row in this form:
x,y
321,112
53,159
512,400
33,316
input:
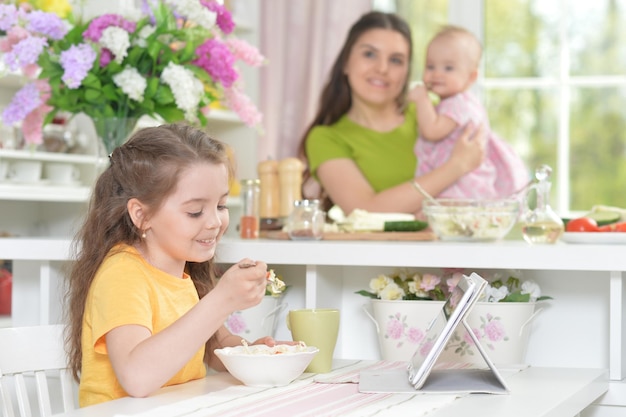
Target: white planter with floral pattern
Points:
x,y
258,321
502,328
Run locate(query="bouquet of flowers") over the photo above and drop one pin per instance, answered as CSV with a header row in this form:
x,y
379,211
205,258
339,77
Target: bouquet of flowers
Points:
x,y
414,285
174,62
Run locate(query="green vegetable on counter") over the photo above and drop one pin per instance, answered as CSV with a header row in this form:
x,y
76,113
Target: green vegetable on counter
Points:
x,y
405,226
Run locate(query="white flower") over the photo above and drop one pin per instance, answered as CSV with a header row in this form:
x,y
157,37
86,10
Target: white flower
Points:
x,y
187,89
116,40
379,283
131,83
192,9
532,288
415,287
392,292
143,35
494,295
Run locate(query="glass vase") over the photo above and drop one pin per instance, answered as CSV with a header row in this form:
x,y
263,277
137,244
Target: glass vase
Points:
x,y
113,131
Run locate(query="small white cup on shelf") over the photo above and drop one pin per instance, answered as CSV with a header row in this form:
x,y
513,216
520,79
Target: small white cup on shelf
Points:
x,y
4,169
25,171
61,172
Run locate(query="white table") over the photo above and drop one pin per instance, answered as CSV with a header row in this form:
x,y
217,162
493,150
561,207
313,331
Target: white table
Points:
x,y
550,392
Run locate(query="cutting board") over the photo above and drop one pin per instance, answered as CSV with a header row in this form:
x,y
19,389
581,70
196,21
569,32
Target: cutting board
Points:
x,y
413,236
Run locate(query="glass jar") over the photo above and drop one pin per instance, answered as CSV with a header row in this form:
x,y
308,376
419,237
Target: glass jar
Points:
x,y
541,224
249,221
306,221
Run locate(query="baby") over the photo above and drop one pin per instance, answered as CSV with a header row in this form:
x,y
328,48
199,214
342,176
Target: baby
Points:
x,y
452,60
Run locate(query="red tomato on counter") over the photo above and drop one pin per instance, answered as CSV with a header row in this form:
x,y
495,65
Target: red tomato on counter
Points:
x,y
614,227
582,224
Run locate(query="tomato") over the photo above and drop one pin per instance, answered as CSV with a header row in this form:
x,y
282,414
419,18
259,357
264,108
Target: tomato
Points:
x,y
582,224
613,227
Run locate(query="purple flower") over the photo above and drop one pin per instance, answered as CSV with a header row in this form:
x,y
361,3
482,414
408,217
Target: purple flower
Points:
x,y
24,101
106,56
8,16
76,62
99,24
216,59
224,19
25,52
48,24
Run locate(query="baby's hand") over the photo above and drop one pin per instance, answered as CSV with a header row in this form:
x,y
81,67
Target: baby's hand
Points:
x,y
417,92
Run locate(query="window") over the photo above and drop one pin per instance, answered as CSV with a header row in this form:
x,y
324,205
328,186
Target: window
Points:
x,y
554,82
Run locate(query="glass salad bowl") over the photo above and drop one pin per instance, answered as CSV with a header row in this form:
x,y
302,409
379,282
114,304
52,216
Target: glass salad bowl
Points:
x,y
471,220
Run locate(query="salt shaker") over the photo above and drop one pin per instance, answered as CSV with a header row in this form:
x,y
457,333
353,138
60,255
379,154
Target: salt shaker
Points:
x,y
269,206
306,221
249,221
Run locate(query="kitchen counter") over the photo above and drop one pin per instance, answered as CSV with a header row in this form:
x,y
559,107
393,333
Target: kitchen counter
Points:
x,y
584,326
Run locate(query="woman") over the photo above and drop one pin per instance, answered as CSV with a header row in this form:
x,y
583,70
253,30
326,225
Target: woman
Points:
x,y
360,144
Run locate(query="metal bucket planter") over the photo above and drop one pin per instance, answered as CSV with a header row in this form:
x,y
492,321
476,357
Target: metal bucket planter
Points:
x,y
502,328
258,321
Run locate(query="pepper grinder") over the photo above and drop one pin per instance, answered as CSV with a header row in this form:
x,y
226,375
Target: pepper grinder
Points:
x,y
290,178
269,205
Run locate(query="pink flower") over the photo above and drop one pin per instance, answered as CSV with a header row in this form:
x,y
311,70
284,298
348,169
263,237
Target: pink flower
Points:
x,y
415,335
395,328
494,330
429,282
224,19
246,52
452,282
243,106
468,339
236,323
426,347
218,61
99,24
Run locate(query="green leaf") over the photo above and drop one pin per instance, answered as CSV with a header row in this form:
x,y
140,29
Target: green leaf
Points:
x,y
366,294
516,297
93,96
110,92
169,114
164,95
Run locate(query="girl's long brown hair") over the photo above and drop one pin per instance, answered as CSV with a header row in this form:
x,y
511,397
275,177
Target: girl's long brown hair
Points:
x,y
336,97
147,167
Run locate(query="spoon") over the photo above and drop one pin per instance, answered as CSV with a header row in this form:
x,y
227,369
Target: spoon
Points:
x,y
462,227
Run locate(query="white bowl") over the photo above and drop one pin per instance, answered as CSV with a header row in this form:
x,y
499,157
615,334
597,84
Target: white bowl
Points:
x,y
264,366
471,220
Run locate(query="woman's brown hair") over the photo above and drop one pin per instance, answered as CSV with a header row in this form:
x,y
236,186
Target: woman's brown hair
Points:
x,y
336,97
147,167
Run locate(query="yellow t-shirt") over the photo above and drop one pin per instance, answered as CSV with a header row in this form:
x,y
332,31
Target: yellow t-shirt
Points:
x,y
128,290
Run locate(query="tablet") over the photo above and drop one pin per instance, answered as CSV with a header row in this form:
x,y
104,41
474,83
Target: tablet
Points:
x,y
440,330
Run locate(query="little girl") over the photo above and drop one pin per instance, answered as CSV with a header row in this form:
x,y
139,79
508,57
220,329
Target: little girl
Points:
x,y
145,310
452,60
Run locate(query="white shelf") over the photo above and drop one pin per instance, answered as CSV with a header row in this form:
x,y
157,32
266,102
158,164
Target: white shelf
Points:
x,y
44,192
48,156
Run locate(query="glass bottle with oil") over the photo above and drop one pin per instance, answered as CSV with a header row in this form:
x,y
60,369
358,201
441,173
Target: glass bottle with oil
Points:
x,y
541,224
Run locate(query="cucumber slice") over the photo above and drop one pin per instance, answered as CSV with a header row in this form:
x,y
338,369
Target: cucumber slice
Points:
x,y
405,226
604,217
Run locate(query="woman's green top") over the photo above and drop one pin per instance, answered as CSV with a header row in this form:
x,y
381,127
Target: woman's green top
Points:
x,y
386,159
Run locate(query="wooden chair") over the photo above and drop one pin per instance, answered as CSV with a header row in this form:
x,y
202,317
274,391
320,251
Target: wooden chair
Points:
x,y
35,355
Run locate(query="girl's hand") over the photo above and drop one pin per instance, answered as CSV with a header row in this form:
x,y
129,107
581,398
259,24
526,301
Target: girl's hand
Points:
x,y
243,284
469,150
269,341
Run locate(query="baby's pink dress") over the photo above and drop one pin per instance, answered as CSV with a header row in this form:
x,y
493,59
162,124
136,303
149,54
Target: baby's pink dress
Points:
x,y
501,174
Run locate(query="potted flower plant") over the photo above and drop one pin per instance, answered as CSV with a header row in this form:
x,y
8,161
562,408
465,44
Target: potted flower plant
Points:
x,y
404,303
174,61
260,320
